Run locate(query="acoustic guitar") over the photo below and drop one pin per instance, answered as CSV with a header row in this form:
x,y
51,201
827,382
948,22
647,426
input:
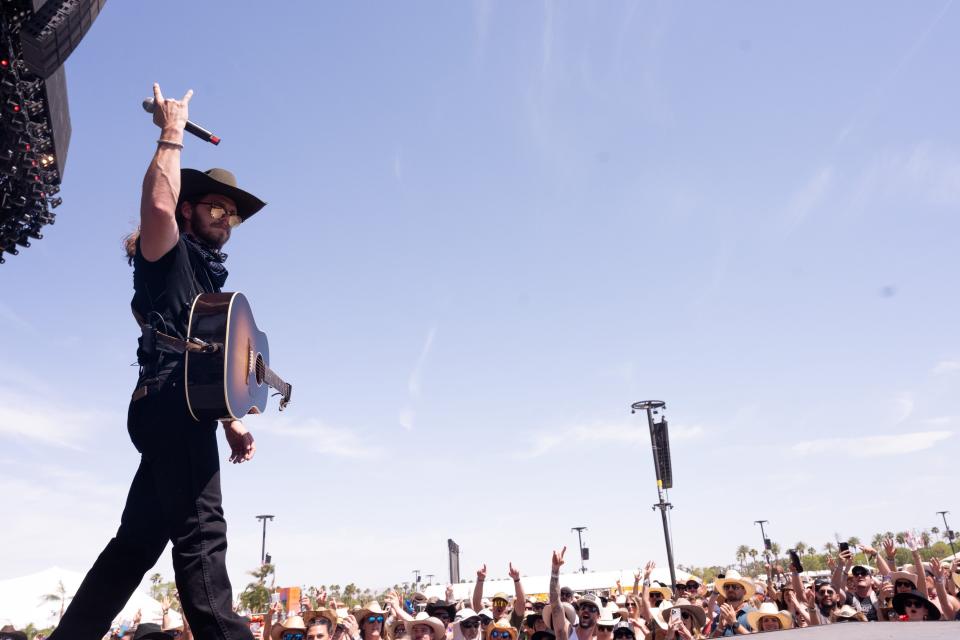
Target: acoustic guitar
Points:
x,y
231,377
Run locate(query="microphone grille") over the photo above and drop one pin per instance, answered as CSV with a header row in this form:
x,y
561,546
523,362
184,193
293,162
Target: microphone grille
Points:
x,y
148,105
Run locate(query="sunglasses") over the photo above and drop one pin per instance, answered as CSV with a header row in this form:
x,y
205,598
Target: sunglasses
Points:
x,y
292,635
727,587
903,584
914,604
500,634
217,211
860,573
604,627
621,633
470,624
826,592
589,608
374,619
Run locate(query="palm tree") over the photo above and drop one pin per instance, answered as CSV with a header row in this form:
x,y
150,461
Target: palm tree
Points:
x,y
775,549
59,596
877,541
853,541
925,538
256,596
800,548
753,554
901,537
742,552
830,548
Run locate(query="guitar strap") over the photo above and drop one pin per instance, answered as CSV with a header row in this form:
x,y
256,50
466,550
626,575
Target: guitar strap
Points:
x,y
152,336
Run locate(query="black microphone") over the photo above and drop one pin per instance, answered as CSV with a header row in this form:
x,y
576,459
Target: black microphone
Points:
x,y
197,130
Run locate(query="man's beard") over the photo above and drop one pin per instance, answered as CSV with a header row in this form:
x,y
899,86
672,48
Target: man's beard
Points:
x,y
585,624
212,237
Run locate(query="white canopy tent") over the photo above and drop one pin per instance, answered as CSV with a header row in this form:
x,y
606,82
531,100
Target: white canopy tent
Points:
x,y
22,600
540,585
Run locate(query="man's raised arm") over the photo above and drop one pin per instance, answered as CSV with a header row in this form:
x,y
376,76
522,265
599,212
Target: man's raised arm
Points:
x,y
161,184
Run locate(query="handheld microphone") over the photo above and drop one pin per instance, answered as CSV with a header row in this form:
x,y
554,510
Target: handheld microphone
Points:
x,y
197,130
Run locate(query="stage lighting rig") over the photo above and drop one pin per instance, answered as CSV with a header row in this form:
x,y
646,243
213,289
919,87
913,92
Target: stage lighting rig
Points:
x,y
36,36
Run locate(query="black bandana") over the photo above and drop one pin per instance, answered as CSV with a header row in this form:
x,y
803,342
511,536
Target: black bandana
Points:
x,y
212,258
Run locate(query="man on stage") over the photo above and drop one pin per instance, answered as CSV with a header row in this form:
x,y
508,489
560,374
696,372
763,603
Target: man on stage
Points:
x,y
186,216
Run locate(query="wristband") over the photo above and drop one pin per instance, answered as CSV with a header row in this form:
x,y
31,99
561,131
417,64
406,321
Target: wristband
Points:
x,y
646,583
178,145
518,579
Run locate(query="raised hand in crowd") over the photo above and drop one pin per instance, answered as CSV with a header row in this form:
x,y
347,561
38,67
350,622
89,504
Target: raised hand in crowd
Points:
x,y
558,620
478,588
448,593
519,597
351,628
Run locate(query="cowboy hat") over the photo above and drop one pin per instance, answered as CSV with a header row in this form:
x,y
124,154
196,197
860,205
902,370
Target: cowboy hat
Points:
x,y
8,632
437,627
465,614
661,615
440,605
371,608
150,631
846,612
310,617
665,592
769,610
391,631
607,617
733,577
899,601
292,623
568,611
195,183
904,575
501,627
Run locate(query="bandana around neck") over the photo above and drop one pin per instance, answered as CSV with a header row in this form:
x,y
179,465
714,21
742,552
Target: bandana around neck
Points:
x,y
213,258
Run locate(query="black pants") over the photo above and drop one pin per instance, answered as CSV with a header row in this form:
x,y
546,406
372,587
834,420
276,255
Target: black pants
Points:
x,y
175,496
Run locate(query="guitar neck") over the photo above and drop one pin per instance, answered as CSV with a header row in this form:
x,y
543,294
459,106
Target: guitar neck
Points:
x,y
275,381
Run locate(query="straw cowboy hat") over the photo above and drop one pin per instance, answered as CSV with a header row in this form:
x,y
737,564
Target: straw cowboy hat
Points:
x,y
568,611
501,630
734,577
769,610
436,626
391,631
608,617
369,609
194,183
665,592
661,615
903,575
292,623
310,617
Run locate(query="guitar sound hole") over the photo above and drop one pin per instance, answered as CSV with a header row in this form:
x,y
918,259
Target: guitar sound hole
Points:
x,y
261,370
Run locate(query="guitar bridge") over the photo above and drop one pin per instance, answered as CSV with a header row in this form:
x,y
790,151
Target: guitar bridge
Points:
x,y
251,360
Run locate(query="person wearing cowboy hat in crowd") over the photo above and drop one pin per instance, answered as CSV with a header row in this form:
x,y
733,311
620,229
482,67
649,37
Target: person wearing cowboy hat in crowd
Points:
x,y
9,632
651,596
500,601
442,610
371,617
680,620
605,624
186,217
320,624
501,630
425,627
293,628
769,618
847,613
913,606
732,617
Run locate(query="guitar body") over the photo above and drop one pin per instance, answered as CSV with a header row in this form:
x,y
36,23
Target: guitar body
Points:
x,y
228,383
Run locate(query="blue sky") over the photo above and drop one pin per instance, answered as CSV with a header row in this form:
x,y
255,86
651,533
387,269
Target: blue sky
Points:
x,y
492,227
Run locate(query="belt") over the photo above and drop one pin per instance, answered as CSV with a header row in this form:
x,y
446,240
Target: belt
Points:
x,y
139,393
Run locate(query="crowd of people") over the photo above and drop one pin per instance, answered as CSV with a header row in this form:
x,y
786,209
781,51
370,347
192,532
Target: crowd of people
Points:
x,y
732,604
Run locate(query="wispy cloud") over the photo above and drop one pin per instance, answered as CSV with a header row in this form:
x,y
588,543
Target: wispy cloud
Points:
x,y
808,197
946,367
872,446
414,381
905,404
603,434
324,438
22,416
